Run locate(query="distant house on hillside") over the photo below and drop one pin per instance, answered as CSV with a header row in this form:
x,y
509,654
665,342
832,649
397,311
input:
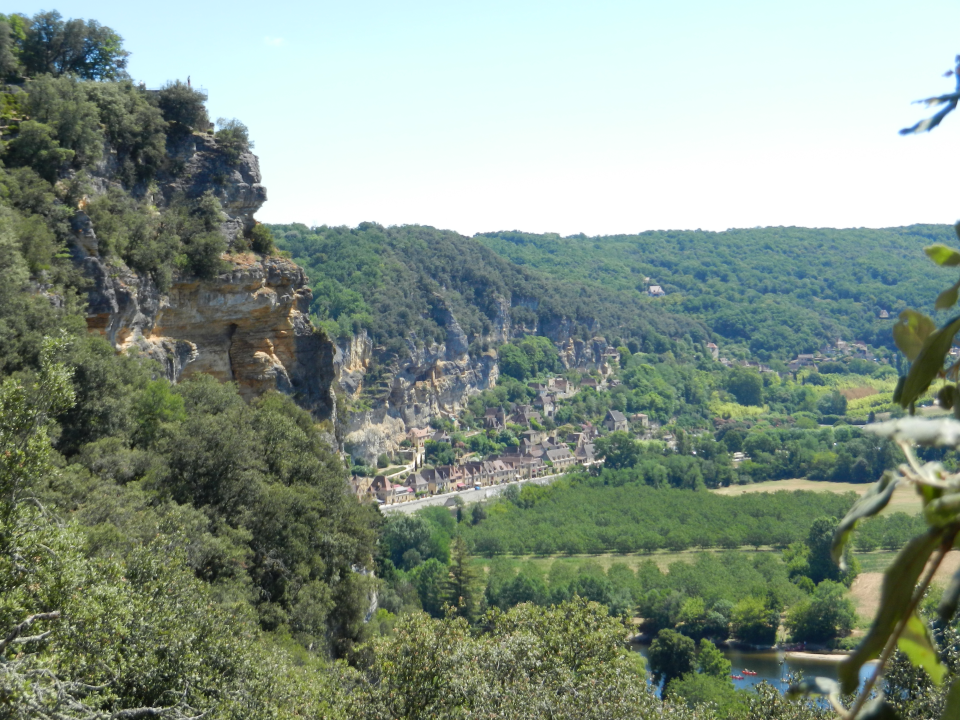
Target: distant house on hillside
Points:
x,y
495,418
655,291
545,404
884,315
615,421
714,350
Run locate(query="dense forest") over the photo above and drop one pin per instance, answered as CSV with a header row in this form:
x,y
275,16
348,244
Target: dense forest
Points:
x,y
771,292
400,283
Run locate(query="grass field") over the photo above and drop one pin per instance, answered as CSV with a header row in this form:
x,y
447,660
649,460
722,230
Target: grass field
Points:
x,y
904,499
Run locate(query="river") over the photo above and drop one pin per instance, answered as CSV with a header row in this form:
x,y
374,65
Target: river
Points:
x,y
774,667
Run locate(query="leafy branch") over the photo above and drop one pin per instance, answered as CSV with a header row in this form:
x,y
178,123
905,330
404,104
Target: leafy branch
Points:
x,y
949,102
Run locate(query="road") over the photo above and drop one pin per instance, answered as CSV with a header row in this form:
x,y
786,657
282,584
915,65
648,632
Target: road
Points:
x,y
468,496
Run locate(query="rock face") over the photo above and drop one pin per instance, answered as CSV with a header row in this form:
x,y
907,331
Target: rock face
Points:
x,y
249,325
205,168
436,381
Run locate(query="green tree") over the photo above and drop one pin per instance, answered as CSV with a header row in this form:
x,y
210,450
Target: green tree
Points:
x,y
672,655
462,589
261,239
233,139
746,386
183,107
36,146
820,561
754,622
561,662
429,579
710,661
8,51
619,449
87,49
828,614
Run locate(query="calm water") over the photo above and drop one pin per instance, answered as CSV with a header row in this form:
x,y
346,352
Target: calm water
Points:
x,y
775,667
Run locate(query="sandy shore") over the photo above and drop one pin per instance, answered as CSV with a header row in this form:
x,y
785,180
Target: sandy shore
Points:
x,y
825,657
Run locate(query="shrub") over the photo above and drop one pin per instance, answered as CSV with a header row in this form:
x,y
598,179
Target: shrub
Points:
x,y
203,255
827,615
261,239
233,139
183,107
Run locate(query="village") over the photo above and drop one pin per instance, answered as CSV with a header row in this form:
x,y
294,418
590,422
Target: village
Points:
x,y
541,452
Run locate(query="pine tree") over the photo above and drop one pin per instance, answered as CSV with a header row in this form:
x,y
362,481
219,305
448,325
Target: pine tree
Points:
x,y
462,589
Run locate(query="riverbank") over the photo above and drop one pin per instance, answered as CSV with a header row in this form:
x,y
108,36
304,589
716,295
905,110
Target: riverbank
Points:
x,y
816,656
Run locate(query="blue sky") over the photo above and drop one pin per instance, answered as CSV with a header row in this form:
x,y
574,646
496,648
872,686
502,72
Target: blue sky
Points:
x,y
596,117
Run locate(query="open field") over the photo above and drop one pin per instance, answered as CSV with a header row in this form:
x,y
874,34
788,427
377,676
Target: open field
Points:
x,y
903,500
865,592
858,392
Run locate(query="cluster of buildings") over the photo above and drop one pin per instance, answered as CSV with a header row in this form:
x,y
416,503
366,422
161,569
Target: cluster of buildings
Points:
x,y
841,349
540,453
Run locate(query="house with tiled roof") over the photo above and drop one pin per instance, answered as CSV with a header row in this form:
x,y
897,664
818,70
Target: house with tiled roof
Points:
x,y
615,421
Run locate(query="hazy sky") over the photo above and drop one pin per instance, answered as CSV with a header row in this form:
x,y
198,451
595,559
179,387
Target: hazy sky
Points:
x,y
595,117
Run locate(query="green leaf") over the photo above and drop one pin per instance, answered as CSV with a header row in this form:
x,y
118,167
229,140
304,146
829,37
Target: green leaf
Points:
x,y
949,601
872,502
951,708
915,642
929,362
944,432
814,686
948,298
899,582
943,255
878,709
910,331
898,390
942,510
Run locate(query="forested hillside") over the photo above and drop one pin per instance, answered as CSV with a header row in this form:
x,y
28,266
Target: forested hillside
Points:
x,y
398,282
774,292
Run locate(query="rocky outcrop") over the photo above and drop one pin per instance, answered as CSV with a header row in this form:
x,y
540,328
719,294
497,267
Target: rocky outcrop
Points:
x,y
593,355
248,325
435,381
206,168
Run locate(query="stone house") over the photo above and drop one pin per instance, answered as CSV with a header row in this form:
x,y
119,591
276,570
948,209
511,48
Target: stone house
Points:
x,y
615,421
384,490
441,437
524,467
418,483
494,418
585,455
525,415
360,487
436,484
546,405
561,458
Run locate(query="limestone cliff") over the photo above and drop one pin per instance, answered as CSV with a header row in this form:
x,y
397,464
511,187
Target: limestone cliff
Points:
x,y
249,325
435,381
